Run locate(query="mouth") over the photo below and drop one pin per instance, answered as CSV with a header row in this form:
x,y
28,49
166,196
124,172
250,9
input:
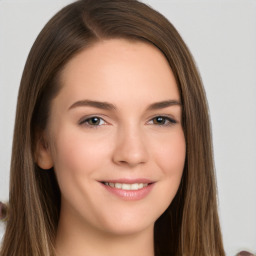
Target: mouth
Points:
x,y
129,189
126,186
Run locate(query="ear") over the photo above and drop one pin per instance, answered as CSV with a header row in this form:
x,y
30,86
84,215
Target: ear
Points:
x,y
43,155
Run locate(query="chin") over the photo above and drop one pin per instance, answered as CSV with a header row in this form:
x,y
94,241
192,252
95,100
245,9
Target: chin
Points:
x,y
129,224
129,229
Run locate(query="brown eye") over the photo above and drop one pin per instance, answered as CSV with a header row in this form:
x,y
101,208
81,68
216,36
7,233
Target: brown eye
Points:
x,y
162,121
159,120
93,121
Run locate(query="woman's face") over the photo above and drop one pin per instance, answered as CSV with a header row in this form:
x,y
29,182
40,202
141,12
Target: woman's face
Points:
x,y
115,137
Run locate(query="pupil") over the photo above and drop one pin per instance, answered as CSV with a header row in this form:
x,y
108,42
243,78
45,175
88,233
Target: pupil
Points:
x,y
159,120
94,120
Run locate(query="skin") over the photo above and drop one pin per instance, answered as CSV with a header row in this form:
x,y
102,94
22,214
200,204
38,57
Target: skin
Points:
x,y
127,141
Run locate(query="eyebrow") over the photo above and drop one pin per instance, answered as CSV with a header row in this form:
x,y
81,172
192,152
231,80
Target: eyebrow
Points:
x,y
164,104
95,104
110,106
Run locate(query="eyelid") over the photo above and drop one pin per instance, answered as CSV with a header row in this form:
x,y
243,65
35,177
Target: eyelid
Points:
x,y
84,121
170,118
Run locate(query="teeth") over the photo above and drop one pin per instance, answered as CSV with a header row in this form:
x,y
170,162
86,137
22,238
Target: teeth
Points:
x,y
112,185
135,186
124,186
118,185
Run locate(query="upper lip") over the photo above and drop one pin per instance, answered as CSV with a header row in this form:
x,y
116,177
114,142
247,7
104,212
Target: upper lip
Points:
x,y
128,181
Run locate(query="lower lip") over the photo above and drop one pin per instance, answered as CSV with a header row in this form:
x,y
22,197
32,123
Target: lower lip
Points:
x,y
130,194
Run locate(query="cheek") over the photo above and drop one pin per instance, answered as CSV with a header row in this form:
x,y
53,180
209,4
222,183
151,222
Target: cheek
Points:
x,y
170,158
170,154
76,156
72,148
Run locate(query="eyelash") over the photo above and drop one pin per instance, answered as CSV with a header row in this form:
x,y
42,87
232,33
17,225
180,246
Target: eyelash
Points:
x,y
168,121
87,120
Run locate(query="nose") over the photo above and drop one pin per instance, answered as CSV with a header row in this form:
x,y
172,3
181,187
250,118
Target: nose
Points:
x,y
130,149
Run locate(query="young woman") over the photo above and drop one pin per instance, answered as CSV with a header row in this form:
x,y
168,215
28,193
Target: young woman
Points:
x,y
112,150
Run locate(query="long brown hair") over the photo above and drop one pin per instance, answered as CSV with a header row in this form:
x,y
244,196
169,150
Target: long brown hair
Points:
x,y
190,226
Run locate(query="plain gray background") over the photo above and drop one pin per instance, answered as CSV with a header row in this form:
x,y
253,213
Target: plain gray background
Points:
x,y
222,37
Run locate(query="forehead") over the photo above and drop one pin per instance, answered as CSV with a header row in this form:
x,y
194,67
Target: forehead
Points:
x,y
119,69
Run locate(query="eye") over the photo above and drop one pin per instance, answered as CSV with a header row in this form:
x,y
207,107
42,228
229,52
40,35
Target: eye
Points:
x,y
93,121
162,121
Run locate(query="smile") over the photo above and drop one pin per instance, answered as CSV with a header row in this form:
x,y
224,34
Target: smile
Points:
x,y
129,189
125,186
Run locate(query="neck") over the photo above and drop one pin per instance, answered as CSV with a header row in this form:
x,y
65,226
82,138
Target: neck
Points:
x,y
76,239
